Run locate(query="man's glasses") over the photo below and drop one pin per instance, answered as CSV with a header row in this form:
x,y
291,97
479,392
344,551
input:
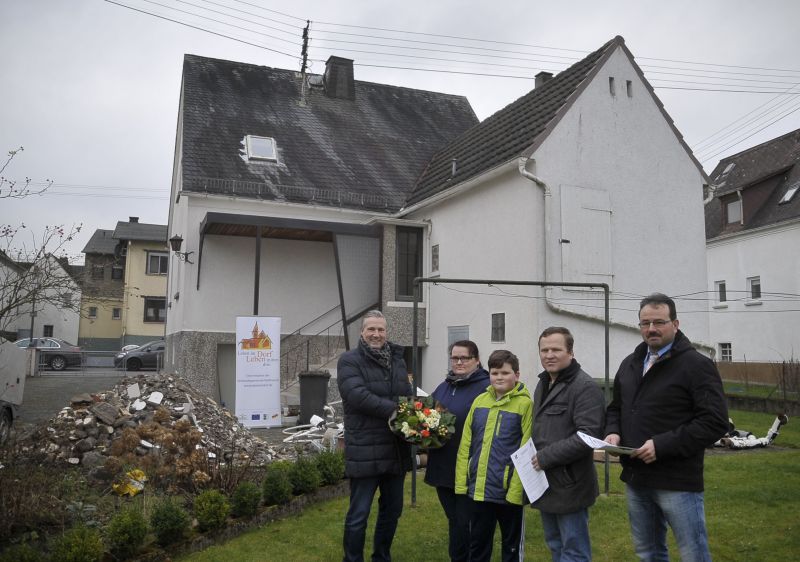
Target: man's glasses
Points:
x,y
655,323
461,359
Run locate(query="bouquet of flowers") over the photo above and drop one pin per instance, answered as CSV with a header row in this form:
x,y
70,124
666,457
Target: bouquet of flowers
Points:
x,y
423,422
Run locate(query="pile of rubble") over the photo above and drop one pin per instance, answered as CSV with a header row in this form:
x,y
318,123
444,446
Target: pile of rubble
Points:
x,y
142,418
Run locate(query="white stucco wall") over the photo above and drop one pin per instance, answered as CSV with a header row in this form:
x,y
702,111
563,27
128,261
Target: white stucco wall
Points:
x,y
766,329
617,144
298,278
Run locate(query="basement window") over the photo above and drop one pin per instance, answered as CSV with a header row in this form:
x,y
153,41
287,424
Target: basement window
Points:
x,y
261,148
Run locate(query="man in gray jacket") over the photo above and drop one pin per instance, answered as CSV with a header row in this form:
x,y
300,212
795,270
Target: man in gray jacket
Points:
x,y
566,400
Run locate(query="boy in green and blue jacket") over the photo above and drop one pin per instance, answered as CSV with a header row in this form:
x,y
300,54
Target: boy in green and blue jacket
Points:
x,y
498,424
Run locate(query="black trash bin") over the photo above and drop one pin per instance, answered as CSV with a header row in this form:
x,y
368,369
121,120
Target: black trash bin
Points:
x,y
313,394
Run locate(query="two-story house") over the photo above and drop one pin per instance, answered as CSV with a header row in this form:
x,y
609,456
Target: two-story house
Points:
x,y
752,236
103,291
314,198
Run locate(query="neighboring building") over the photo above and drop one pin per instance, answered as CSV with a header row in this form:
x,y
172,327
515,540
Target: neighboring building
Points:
x,y
144,248
49,288
318,200
752,239
103,292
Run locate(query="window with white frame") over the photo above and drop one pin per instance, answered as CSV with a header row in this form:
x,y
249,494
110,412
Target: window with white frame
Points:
x,y
92,312
725,352
721,291
157,263
435,258
498,327
734,211
116,313
261,148
754,288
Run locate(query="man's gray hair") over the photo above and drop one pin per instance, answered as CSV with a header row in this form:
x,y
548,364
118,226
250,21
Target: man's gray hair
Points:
x,y
371,314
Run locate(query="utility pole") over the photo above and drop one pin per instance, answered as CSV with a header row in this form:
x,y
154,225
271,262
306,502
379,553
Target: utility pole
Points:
x,y
304,64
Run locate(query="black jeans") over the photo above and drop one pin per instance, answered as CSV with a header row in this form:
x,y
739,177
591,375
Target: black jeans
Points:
x,y
390,506
485,517
458,508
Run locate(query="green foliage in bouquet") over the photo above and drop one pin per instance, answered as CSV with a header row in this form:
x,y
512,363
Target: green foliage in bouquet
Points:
x,y
423,422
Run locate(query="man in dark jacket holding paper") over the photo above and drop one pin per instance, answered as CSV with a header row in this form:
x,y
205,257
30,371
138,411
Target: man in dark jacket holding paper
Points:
x,y
371,377
669,405
566,400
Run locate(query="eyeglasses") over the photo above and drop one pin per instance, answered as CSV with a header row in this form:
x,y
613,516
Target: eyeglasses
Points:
x,y
655,323
461,359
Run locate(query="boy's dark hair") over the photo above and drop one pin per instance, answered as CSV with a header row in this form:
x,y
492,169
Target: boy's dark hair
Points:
x,y
568,339
471,345
657,299
501,356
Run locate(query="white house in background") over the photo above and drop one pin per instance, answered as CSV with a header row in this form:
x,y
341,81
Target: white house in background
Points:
x,y
57,300
752,239
585,179
315,198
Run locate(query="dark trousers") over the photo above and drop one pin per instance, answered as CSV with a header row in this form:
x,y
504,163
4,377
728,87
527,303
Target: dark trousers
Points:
x,y
458,508
390,506
485,517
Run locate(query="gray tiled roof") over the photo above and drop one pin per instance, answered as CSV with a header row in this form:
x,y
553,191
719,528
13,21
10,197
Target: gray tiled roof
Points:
x,y
362,153
101,242
141,231
509,132
766,171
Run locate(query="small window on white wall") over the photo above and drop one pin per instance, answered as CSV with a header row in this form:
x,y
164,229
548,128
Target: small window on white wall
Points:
x,y
435,258
725,352
499,327
754,288
721,291
734,211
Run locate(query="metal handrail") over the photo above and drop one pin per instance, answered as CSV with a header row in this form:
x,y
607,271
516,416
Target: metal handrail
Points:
x,y
307,324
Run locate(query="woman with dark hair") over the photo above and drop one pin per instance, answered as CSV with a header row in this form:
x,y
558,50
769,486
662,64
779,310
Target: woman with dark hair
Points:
x,y
465,380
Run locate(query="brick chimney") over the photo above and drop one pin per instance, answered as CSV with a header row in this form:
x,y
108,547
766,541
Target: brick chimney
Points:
x,y
339,82
541,78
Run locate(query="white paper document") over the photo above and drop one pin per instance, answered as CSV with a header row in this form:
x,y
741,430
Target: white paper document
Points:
x,y
534,481
596,443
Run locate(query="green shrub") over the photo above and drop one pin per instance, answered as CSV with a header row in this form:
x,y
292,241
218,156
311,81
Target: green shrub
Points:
x,y
169,522
331,466
245,500
21,553
211,510
126,532
304,476
277,488
79,544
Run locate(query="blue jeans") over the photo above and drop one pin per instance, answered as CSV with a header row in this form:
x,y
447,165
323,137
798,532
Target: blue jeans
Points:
x,y
390,506
650,510
458,508
567,535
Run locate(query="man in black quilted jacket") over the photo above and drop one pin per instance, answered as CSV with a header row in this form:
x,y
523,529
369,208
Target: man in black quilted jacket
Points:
x,y
669,405
371,377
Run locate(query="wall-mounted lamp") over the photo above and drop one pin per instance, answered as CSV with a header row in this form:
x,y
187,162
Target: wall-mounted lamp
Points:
x,y
175,243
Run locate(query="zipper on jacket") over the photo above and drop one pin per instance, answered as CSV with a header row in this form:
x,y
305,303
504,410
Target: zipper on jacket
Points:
x,y
498,423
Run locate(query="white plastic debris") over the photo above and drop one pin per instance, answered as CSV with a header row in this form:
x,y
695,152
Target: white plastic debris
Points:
x,y
134,391
138,405
146,444
155,398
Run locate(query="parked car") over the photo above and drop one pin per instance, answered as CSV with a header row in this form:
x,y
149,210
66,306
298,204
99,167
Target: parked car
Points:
x,y
56,353
130,347
147,356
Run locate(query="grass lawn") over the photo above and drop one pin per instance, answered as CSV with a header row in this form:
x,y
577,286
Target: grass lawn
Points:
x,y
758,390
752,500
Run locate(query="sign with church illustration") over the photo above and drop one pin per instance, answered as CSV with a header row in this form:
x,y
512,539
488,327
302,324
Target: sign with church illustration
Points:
x,y
258,371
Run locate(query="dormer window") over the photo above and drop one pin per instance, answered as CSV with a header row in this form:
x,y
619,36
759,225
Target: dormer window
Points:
x,y
734,211
261,148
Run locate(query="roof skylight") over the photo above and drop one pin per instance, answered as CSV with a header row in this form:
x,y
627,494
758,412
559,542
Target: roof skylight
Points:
x,y
789,195
261,148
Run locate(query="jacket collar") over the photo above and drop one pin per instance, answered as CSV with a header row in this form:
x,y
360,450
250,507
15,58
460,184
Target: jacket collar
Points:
x,y
564,378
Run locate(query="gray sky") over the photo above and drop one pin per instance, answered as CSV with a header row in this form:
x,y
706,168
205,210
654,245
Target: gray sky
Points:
x,y
90,89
